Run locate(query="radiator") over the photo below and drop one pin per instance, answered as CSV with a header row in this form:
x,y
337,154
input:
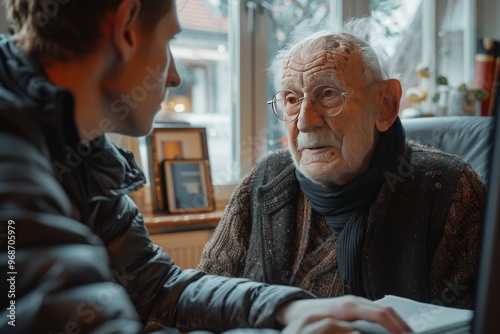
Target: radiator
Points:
x,y
183,247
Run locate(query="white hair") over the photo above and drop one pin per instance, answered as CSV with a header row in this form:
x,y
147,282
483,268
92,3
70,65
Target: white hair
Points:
x,y
357,30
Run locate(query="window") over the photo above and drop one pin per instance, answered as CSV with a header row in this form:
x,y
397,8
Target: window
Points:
x,y
224,50
203,99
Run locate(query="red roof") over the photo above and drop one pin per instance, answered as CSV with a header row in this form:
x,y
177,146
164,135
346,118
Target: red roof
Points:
x,y
198,15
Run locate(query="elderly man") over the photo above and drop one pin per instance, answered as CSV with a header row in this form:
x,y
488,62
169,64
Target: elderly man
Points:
x,y
350,207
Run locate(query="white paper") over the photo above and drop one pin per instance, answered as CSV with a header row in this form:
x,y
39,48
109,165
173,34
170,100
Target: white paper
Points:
x,y
427,318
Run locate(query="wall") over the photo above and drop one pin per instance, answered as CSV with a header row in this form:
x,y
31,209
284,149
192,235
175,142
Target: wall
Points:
x,y
487,16
3,21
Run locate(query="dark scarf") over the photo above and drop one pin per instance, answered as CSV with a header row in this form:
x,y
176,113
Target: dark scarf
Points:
x,y
346,207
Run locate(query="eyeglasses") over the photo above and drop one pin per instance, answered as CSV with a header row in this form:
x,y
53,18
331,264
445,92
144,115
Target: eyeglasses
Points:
x,y
327,100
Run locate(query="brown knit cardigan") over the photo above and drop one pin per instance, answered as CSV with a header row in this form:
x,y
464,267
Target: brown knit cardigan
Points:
x,y
421,242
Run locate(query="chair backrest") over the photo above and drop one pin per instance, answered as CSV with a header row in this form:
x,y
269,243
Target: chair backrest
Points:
x,y
469,137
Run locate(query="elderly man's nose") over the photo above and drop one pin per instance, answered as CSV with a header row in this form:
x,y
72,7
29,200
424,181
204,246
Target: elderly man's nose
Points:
x,y
308,118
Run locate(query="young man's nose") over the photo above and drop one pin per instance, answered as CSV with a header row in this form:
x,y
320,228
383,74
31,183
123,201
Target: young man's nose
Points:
x,y
173,77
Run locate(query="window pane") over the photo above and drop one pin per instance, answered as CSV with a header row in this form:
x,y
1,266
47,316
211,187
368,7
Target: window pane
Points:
x,y
412,31
399,24
450,41
204,97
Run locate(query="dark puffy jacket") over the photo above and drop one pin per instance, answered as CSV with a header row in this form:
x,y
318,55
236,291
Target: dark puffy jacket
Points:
x,y
81,259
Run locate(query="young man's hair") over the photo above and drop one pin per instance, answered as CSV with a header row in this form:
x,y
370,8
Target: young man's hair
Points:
x,y
68,29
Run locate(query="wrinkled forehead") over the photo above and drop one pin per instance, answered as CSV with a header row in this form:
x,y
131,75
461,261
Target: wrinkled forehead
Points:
x,y
334,59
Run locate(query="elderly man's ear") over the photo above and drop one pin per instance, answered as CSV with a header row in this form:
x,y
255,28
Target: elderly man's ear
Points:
x,y
390,105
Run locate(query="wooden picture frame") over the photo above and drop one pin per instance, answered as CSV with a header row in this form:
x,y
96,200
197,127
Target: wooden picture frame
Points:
x,y
172,143
188,186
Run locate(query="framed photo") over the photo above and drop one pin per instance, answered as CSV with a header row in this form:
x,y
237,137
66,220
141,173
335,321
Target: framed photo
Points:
x,y
171,144
179,143
188,186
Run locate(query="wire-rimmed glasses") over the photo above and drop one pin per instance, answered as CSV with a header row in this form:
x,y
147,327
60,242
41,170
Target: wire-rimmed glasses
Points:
x,y
327,100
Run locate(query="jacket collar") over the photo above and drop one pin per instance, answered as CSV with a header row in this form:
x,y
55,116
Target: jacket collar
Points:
x,y
113,170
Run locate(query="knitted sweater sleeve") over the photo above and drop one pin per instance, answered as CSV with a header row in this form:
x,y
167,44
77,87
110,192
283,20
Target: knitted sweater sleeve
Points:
x,y
455,261
225,253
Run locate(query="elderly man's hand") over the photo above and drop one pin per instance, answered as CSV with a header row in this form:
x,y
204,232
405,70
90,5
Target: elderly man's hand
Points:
x,y
330,315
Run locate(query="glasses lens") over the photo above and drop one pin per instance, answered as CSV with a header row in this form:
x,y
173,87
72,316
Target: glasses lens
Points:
x,y
286,105
328,99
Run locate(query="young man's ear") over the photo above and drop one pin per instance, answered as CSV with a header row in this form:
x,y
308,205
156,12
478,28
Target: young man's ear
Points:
x,y
390,105
123,34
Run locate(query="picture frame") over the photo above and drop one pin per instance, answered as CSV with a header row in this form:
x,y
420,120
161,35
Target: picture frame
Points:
x,y
171,143
188,186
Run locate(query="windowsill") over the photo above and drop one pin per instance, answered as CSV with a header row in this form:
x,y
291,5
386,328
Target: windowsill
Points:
x,y
165,223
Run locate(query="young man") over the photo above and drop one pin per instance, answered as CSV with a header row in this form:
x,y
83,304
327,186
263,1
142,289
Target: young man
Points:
x,y
79,258
350,207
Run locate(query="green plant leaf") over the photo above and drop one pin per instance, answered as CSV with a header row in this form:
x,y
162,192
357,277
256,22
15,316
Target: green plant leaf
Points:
x,y
480,94
435,98
441,80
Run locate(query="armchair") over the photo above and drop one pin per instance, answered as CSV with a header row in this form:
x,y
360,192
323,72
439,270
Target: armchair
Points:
x,y
469,137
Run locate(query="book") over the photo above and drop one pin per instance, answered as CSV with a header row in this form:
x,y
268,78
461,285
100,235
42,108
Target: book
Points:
x,y
495,90
423,318
484,71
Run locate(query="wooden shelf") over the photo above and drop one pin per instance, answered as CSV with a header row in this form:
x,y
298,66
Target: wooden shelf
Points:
x,y
164,223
